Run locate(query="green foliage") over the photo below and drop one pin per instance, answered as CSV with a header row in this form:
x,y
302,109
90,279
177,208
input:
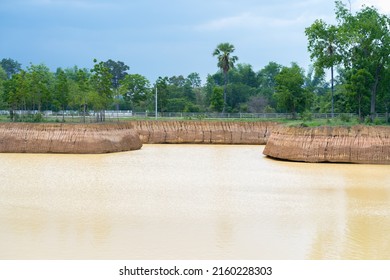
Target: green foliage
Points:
x,y
101,81
135,88
3,78
306,116
117,70
356,49
225,63
289,89
216,100
10,66
61,90
359,87
40,81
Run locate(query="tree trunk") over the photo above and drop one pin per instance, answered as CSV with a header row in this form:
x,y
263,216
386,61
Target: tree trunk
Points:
x,y
373,92
332,82
224,92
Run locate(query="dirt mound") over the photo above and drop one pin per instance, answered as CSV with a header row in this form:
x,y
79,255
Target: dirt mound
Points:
x,y
358,144
67,138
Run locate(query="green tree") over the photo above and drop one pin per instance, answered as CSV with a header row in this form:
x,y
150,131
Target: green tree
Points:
x,y
135,89
194,80
163,93
385,92
324,49
267,83
10,66
102,95
118,71
216,100
40,86
289,93
61,92
226,61
3,78
81,92
365,39
16,93
359,89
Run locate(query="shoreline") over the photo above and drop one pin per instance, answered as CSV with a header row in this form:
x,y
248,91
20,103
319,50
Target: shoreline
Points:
x,y
355,144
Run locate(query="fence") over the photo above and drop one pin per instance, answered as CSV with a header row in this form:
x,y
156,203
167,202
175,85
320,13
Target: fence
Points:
x,y
123,115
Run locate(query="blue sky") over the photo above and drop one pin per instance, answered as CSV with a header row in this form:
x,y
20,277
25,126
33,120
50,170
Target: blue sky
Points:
x,y
161,38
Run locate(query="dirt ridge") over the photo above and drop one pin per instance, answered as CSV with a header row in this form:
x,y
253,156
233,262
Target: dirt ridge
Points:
x,y
203,132
67,138
357,144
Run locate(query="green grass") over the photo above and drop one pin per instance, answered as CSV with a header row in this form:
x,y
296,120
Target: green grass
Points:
x,y
338,121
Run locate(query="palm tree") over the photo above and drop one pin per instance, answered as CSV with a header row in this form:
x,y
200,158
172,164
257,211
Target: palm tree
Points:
x,y
225,63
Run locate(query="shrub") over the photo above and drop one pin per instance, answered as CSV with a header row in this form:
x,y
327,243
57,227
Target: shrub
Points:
x,y
306,116
38,117
345,117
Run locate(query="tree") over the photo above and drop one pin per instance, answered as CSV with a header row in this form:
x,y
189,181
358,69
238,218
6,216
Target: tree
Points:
x,y
194,80
102,96
266,82
323,47
118,71
16,93
225,63
365,39
61,92
40,86
216,99
289,89
163,93
244,74
385,92
81,92
10,66
359,88
3,78
135,88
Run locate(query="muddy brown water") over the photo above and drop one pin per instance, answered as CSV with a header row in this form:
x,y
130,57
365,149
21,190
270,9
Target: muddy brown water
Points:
x,y
191,202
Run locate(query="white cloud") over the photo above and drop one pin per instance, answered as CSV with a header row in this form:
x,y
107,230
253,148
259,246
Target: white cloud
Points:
x,y
247,21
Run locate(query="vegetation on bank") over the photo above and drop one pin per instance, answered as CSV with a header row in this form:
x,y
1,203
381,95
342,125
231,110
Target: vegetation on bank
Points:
x,y
356,51
301,121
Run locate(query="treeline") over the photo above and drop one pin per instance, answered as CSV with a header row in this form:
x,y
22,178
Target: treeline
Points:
x,y
356,52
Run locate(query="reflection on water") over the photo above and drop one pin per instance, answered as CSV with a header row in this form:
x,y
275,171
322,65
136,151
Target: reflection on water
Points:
x,y
191,202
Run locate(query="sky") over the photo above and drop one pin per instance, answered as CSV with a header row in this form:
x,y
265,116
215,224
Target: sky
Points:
x,y
161,38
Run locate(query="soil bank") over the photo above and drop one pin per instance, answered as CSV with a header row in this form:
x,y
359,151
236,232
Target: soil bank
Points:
x,y
357,144
67,138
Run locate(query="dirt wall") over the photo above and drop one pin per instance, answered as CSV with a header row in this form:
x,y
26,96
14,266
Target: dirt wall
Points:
x,y
67,138
203,132
358,144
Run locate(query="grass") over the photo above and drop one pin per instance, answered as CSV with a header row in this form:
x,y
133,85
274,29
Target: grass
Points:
x,y
338,121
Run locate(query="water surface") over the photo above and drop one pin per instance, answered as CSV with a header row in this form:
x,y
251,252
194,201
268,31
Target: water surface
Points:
x,y
191,202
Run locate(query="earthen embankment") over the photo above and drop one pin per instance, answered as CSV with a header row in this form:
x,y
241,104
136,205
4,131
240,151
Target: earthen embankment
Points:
x,y
204,132
358,144
67,138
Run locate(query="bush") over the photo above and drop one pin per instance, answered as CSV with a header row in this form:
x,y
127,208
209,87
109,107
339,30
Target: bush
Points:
x,y
345,117
38,117
306,116
378,121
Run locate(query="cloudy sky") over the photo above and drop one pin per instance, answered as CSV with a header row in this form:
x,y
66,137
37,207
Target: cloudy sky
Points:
x,y
161,38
